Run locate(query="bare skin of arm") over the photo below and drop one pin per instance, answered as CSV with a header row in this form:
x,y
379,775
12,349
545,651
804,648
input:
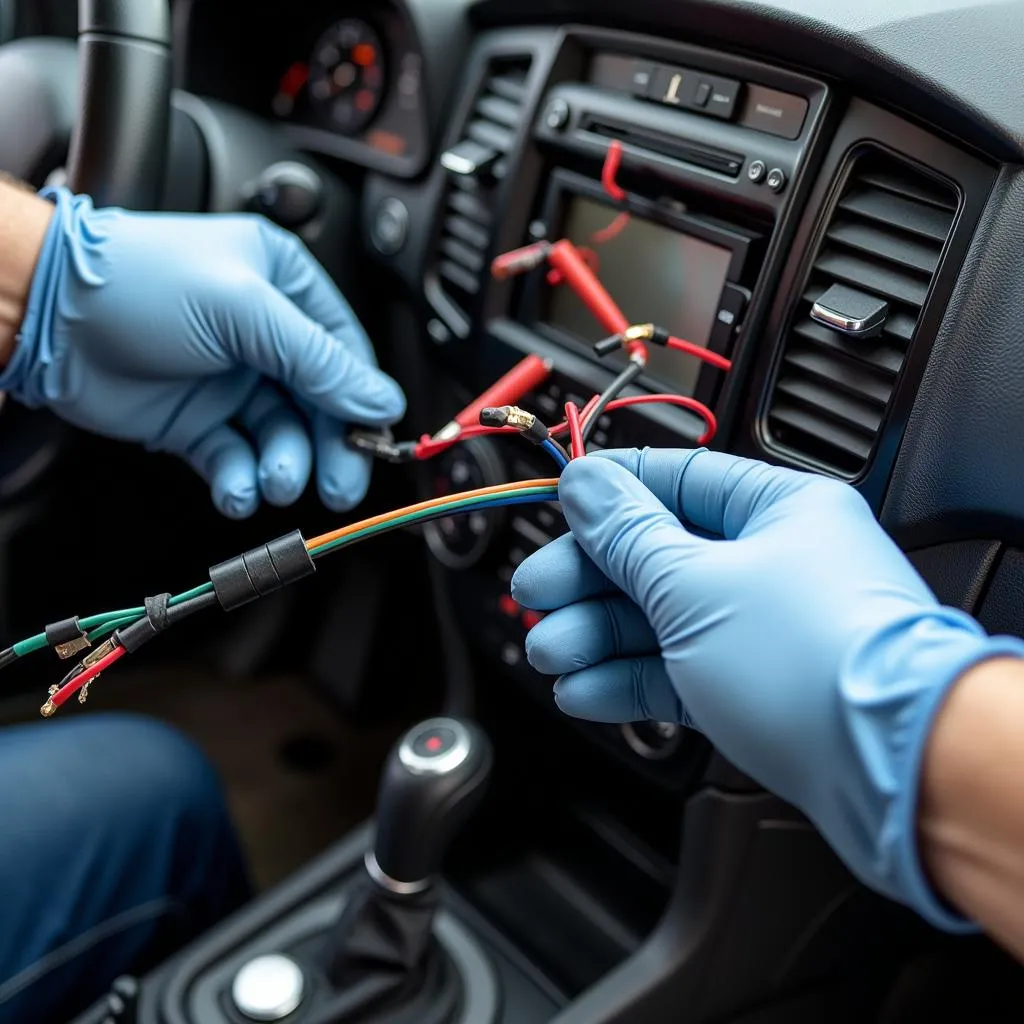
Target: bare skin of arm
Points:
x,y
24,218
971,811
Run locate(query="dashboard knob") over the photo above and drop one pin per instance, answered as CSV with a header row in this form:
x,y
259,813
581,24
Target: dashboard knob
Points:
x,y
287,193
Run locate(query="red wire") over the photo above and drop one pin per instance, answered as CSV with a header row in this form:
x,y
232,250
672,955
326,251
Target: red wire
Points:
x,y
610,231
572,418
681,400
610,171
700,352
69,689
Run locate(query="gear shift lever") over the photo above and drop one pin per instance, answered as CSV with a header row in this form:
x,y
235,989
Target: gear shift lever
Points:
x,y
381,954
432,781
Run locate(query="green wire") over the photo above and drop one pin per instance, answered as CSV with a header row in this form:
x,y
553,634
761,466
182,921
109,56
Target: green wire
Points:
x,y
540,493
98,626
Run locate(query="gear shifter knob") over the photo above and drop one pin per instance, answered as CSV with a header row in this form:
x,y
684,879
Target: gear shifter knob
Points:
x,y
433,779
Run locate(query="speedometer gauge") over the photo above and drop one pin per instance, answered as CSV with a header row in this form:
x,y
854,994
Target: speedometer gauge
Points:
x,y
346,75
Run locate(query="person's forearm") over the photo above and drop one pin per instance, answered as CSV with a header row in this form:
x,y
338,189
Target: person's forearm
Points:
x,y
24,218
972,800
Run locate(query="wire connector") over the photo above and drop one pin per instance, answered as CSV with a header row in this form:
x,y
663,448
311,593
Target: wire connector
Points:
x,y
261,571
67,637
512,416
382,445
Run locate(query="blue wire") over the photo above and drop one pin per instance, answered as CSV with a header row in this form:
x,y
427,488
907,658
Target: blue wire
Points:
x,y
553,451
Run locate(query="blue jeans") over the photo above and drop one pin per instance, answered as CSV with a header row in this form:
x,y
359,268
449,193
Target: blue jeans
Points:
x,y
115,846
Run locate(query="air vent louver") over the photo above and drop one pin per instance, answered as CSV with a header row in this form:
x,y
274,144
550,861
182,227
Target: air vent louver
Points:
x,y
468,214
885,239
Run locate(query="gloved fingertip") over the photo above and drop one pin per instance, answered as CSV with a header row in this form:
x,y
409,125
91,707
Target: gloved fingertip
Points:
x,y
283,481
237,503
382,399
341,493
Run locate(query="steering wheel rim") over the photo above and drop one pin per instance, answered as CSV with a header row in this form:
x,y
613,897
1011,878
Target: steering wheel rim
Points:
x,y
119,142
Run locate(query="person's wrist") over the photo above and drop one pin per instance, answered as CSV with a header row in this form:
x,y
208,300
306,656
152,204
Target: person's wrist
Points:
x,y
914,664
24,222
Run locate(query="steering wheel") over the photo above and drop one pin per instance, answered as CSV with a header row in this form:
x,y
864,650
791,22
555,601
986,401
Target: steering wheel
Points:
x,y
120,119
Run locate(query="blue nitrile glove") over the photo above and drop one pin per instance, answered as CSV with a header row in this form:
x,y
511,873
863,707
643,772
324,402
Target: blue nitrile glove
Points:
x,y
803,644
202,335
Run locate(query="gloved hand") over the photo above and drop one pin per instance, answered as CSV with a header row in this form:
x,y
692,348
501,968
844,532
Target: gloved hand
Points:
x,y
167,329
801,641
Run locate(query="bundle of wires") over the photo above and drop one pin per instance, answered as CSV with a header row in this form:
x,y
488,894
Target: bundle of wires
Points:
x,y
107,626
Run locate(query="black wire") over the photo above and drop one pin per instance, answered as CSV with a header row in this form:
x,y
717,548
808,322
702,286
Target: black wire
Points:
x,y
610,393
559,446
200,603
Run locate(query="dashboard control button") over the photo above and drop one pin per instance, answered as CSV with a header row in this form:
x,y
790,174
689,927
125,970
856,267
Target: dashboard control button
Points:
x,y
667,85
724,94
774,112
653,741
757,171
700,97
557,114
390,227
776,179
643,78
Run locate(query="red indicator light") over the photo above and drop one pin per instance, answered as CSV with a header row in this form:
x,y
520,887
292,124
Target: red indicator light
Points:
x,y
508,606
433,744
363,54
365,100
530,619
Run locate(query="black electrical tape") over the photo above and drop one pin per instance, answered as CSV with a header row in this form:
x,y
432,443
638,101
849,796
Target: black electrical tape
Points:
x,y
538,433
7,657
154,621
606,346
659,336
261,571
494,416
64,632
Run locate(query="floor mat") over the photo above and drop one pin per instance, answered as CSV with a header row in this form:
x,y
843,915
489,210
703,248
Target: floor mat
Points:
x,y
297,775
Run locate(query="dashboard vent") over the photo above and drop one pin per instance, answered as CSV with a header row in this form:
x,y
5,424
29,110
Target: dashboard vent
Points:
x,y
885,239
476,164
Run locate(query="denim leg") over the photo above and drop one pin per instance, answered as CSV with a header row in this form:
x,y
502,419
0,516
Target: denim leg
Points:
x,y
114,841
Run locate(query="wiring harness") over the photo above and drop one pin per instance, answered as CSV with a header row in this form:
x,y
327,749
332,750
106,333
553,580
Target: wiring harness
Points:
x,y
110,636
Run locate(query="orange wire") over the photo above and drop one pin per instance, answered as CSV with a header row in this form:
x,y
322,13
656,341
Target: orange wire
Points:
x,y
480,492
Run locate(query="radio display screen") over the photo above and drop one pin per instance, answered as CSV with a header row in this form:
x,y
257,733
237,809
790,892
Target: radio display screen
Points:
x,y
655,275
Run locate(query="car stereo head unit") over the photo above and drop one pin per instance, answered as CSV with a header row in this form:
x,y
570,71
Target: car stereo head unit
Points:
x,y
661,264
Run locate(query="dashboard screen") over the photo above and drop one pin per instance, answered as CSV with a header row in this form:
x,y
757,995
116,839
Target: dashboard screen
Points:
x,y
654,274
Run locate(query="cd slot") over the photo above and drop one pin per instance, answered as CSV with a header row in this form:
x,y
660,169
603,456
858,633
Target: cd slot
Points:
x,y
707,157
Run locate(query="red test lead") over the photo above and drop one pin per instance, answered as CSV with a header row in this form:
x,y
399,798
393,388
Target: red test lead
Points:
x,y
527,375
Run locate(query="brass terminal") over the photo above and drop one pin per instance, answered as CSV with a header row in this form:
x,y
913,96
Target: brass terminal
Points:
x,y
107,647
638,332
70,648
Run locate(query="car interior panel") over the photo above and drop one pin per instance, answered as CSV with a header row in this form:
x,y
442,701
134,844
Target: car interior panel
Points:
x,y
825,197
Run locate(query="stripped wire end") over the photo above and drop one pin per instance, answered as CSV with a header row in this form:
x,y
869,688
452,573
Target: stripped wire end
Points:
x,y
82,675
512,416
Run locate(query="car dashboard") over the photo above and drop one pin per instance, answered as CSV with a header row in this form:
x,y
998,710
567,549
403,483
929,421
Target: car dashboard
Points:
x,y
828,197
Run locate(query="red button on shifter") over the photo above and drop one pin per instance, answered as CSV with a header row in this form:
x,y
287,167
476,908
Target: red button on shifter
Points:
x,y
508,606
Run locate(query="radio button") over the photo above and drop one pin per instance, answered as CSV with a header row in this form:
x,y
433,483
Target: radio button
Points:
x,y
724,94
776,179
757,171
700,97
643,78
